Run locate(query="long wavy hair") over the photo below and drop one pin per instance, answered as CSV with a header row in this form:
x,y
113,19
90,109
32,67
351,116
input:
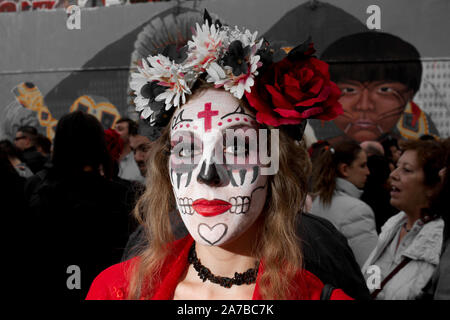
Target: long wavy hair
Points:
x,y
325,169
278,245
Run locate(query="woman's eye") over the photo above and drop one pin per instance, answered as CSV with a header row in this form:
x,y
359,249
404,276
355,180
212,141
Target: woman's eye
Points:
x,y
184,153
239,149
406,170
185,150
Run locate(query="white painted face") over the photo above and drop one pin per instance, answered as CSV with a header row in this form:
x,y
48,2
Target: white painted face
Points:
x,y
219,188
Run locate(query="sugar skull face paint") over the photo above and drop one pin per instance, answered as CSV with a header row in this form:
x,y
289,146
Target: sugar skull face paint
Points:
x,y
218,184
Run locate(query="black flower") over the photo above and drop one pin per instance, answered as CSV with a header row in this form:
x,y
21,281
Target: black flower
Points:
x,y
236,57
178,55
150,91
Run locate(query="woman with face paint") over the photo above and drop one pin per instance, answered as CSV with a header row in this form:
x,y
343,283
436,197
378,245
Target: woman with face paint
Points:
x,y
230,160
339,176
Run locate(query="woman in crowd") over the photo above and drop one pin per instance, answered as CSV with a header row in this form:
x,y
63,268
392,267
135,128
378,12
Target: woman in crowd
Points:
x,y
377,190
14,157
339,175
410,242
240,215
75,207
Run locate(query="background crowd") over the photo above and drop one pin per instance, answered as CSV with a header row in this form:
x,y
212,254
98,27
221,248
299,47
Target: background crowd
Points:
x,y
72,200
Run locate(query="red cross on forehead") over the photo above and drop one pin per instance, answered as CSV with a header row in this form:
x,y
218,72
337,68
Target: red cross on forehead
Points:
x,y
207,114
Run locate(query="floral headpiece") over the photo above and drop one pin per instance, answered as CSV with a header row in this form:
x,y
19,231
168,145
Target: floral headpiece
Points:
x,y
283,93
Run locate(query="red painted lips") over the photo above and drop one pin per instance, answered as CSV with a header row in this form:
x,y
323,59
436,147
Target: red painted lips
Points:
x,y
210,208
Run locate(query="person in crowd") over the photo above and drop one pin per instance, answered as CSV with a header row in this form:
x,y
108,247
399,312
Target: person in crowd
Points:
x,y
377,190
339,175
391,150
14,156
378,74
427,137
43,145
316,148
372,148
141,147
78,216
410,242
114,144
240,215
128,168
440,285
25,140
12,189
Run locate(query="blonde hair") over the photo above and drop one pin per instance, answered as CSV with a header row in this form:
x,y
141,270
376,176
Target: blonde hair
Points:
x,y
278,246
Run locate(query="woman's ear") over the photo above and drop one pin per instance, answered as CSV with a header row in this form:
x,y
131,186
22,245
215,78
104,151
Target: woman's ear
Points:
x,y
343,170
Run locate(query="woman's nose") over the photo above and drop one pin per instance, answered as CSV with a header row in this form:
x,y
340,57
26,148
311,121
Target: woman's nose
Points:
x,y
393,175
211,175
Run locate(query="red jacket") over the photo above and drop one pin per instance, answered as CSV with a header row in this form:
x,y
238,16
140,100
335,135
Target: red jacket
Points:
x,y
112,283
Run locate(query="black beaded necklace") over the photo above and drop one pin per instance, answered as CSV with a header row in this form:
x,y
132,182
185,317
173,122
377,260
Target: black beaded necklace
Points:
x,y
204,273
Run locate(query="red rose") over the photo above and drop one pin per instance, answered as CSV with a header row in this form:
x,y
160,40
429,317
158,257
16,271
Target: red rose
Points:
x,y
292,90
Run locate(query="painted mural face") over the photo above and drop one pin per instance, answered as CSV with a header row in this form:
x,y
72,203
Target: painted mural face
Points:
x,y
219,196
371,108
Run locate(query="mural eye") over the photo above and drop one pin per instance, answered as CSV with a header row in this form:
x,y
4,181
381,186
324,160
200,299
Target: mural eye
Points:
x,y
348,90
386,90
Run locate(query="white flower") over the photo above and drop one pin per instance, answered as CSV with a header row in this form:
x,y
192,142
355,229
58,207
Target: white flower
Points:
x,y
138,80
215,73
170,75
205,53
237,85
206,47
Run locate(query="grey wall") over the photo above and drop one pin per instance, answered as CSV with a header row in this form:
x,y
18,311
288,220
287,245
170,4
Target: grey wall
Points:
x,y
37,46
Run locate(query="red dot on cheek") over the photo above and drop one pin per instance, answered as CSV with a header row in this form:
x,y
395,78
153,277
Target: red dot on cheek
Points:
x,y
237,119
229,120
220,123
187,126
181,126
195,127
245,119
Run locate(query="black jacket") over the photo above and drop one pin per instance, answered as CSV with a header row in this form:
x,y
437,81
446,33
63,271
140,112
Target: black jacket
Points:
x,y
82,221
34,159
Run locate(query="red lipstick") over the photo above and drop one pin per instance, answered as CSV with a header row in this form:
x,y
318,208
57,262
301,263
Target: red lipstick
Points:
x,y
210,208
